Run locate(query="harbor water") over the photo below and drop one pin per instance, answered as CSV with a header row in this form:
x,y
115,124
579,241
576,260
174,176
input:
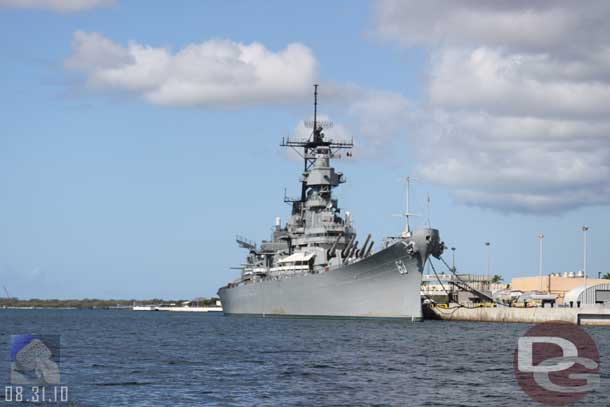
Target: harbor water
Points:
x,y
125,358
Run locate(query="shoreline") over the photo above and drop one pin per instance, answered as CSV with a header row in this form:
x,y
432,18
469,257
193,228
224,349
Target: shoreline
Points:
x,y
95,303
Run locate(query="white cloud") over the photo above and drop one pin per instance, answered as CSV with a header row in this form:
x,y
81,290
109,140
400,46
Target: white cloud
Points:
x,y
514,84
381,114
57,5
516,163
223,73
550,26
93,50
214,73
516,117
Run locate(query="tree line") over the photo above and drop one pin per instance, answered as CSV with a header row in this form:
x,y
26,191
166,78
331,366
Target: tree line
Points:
x,y
93,303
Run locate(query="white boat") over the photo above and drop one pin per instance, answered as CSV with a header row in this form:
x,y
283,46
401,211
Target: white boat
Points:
x,y
186,306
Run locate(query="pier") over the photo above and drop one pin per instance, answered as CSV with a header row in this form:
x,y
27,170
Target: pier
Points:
x,y
588,315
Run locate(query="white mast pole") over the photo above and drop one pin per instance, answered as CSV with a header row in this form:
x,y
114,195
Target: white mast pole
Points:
x,y
541,239
407,227
584,258
488,265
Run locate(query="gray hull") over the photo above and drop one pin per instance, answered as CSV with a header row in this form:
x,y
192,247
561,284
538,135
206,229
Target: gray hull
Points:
x,y
384,285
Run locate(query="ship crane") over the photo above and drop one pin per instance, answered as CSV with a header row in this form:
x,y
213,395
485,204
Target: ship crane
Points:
x,y
8,296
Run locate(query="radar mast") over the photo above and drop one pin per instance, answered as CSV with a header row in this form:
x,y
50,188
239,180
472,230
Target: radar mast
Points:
x,y
311,145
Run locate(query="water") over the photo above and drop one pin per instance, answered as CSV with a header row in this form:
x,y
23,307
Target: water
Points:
x,y
126,358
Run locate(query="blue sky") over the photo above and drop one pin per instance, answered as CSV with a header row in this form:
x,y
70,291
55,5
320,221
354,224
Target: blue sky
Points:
x,y
121,183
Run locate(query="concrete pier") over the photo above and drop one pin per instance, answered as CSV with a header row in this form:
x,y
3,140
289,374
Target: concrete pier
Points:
x,y
590,315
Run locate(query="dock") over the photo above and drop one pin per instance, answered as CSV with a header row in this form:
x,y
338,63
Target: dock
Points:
x,y
589,315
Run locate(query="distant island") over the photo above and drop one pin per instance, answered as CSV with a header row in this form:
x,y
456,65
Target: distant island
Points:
x,y
92,303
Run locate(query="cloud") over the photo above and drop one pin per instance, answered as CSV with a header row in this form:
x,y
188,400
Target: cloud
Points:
x,y
516,163
515,116
214,73
381,114
223,73
64,6
551,26
515,84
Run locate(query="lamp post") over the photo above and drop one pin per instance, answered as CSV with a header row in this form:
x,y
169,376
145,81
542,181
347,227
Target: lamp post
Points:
x,y
541,240
584,257
453,259
488,264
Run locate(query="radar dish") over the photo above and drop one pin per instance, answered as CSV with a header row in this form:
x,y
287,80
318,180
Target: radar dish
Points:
x,y
325,124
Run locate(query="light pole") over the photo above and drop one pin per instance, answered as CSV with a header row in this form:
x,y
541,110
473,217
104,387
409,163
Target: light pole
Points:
x,y
541,239
584,257
488,264
453,258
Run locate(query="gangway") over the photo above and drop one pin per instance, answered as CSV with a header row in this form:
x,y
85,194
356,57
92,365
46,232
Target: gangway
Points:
x,y
462,285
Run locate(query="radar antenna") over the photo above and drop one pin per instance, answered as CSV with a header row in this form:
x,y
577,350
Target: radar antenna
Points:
x,y
315,123
407,214
315,111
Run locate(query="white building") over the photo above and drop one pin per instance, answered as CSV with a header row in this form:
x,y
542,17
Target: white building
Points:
x,y
593,294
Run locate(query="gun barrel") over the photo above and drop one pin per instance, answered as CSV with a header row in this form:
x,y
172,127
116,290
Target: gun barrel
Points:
x,y
331,251
354,248
366,242
347,248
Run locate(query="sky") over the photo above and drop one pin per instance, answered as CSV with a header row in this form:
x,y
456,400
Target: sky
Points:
x,y
137,140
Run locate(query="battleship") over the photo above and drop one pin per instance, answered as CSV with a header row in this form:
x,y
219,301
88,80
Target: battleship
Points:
x,y
313,266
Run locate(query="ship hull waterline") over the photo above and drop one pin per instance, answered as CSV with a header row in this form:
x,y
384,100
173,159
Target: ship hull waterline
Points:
x,y
384,285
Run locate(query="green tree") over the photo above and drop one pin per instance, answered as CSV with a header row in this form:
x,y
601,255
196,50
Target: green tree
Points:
x,y
496,279
606,276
